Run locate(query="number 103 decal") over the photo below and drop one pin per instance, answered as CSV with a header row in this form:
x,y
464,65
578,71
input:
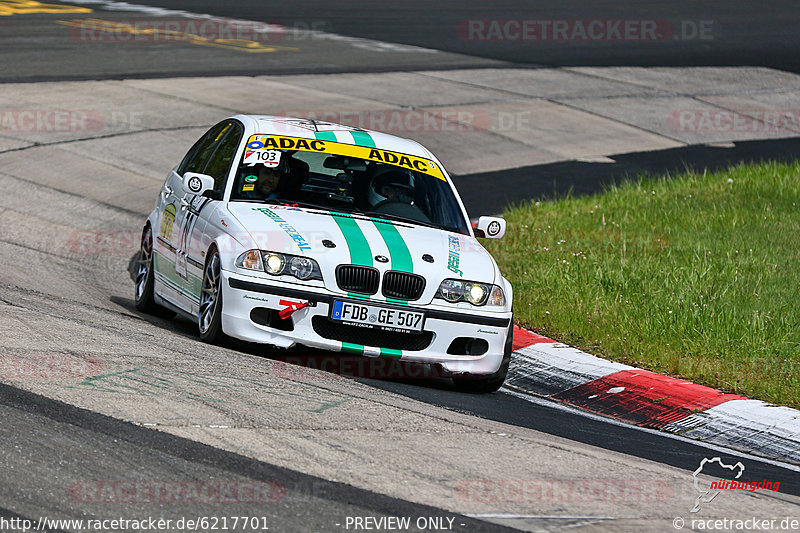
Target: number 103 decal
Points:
x,y
265,157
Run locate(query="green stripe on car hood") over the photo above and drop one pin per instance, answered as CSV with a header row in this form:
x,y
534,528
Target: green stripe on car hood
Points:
x,y
360,253
398,249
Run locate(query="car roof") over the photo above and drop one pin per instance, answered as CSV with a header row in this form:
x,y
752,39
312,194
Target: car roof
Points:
x,y
319,129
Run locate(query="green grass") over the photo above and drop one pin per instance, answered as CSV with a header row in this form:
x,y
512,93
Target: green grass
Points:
x,y
696,276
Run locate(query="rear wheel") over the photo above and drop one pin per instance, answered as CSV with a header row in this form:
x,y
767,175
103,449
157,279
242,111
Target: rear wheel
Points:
x,y
143,296
209,320
491,382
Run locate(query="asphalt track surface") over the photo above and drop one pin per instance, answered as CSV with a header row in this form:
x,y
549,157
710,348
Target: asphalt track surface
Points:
x,y
711,33
689,33
55,442
313,502
737,33
319,37
575,426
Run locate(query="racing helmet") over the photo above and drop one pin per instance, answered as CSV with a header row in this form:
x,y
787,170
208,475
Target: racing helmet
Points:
x,y
390,183
273,170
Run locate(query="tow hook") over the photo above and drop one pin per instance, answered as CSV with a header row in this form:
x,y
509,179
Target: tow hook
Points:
x,y
290,308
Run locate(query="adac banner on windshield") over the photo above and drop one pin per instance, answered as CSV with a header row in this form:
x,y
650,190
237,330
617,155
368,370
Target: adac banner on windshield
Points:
x,y
280,142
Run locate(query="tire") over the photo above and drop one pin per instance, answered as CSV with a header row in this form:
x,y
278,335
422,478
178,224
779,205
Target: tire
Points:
x,y
492,382
209,317
144,280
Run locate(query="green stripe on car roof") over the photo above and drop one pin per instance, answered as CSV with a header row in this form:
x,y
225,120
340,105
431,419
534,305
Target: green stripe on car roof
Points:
x,y
325,135
349,347
391,354
362,138
398,249
360,253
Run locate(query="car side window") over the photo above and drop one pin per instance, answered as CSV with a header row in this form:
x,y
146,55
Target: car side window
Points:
x,y
197,157
220,162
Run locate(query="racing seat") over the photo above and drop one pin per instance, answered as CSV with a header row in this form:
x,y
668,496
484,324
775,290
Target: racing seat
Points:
x,y
292,183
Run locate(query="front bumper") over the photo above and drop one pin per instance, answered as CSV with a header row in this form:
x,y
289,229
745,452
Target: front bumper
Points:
x,y
241,295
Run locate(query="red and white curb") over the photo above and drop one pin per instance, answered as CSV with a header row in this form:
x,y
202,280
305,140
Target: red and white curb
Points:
x,y
548,368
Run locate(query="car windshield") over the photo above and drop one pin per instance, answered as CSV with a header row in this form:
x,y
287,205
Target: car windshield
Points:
x,y
348,184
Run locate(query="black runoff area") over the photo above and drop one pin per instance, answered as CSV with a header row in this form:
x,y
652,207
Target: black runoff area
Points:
x,y
523,184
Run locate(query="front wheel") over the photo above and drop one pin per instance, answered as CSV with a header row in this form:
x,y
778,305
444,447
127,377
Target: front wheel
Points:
x,y
209,320
492,382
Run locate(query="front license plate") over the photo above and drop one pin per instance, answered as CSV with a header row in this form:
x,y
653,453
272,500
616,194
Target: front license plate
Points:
x,y
373,316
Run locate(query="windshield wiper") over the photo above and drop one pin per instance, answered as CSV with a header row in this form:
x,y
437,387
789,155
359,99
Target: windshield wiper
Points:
x,y
293,203
397,218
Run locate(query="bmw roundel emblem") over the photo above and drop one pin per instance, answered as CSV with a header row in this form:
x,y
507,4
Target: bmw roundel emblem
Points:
x,y
373,318
195,184
381,259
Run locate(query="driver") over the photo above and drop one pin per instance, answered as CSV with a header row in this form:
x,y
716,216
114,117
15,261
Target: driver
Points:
x,y
268,180
395,184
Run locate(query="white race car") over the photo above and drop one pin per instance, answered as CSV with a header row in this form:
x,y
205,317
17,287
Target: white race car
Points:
x,y
290,231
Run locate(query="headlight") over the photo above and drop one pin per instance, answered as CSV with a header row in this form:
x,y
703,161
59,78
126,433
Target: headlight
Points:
x,y
454,291
250,260
477,294
451,290
275,263
301,267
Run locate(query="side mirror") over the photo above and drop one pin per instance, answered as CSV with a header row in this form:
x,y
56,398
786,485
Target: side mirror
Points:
x,y
194,183
490,227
